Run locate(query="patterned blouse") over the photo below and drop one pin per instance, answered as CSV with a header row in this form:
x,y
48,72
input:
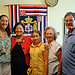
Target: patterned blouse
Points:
x,y
36,59
5,46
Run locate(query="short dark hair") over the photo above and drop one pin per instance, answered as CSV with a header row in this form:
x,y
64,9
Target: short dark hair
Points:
x,y
69,13
36,31
7,28
19,23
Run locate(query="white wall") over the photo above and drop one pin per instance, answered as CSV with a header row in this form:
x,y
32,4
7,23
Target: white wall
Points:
x,y
55,14
5,10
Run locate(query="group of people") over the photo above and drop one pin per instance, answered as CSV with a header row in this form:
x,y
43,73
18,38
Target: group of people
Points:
x,y
25,55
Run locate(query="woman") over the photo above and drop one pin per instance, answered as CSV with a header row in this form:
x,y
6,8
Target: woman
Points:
x,y
5,45
38,56
20,45
54,59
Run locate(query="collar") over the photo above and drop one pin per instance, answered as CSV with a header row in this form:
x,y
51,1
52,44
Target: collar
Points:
x,y
32,45
51,42
71,33
6,35
20,41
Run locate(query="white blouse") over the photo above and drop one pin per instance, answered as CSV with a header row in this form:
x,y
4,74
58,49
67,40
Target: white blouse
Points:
x,y
53,61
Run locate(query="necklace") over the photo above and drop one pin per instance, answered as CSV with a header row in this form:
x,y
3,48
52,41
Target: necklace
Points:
x,y
18,43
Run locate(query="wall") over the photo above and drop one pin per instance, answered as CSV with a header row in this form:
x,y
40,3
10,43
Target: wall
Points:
x,y
5,10
55,14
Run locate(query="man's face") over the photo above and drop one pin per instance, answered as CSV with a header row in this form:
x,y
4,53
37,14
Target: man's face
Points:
x,y
70,22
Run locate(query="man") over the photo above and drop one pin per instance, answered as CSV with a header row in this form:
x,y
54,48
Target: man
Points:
x,y
68,48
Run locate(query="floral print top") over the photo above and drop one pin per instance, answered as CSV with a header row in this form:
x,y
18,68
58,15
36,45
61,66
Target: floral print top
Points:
x,y
5,49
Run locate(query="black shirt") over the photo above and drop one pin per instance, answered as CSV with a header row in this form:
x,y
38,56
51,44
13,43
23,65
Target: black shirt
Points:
x,y
18,63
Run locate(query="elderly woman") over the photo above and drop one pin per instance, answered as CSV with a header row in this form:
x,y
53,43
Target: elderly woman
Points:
x,y
54,58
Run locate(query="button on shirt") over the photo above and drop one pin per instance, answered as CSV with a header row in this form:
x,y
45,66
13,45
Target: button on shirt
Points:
x,y
68,54
36,59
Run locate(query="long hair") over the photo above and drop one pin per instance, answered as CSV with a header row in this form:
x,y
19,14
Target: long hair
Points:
x,y
7,28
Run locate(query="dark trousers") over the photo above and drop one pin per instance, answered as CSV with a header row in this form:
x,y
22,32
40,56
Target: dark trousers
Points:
x,y
63,74
55,73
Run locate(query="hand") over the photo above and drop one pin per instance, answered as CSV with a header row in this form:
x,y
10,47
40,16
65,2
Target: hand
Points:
x,y
29,71
58,73
46,46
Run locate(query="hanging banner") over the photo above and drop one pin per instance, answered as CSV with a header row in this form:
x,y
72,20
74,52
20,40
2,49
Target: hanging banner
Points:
x,y
34,17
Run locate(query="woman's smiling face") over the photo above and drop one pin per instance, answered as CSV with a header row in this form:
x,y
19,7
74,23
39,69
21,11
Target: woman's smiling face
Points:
x,y
19,30
36,37
3,22
50,35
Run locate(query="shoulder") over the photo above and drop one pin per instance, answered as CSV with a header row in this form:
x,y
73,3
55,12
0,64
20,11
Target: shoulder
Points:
x,y
27,38
56,43
56,46
42,46
12,38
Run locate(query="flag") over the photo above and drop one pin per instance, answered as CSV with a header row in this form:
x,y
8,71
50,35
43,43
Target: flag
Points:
x,y
34,17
